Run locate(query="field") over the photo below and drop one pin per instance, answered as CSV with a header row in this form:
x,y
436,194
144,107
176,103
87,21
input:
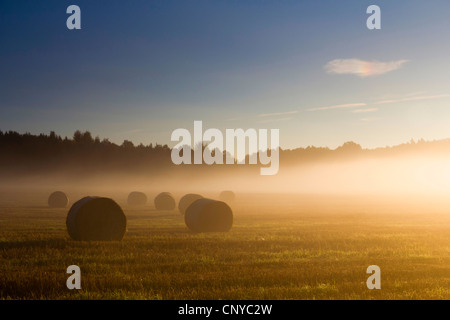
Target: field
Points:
x,y
285,247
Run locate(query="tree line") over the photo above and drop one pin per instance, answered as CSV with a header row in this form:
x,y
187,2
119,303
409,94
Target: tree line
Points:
x,y
28,153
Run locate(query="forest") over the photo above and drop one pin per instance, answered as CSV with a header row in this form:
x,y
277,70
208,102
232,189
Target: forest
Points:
x,y
26,154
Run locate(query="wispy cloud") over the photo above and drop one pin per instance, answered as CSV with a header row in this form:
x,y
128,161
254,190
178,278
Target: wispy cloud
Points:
x,y
418,98
362,68
339,106
365,110
277,114
355,107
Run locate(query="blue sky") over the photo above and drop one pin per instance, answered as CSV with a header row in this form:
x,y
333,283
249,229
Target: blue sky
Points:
x,y
140,69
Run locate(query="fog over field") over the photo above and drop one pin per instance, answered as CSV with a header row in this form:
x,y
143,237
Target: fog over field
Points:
x,y
404,180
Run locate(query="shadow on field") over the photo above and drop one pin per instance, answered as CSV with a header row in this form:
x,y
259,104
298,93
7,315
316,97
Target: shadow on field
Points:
x,y
50,243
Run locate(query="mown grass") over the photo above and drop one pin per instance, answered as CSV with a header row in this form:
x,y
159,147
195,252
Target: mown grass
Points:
x,y
280,252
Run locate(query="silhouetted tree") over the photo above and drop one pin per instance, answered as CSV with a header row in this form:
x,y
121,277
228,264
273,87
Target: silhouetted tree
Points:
x,y
127,144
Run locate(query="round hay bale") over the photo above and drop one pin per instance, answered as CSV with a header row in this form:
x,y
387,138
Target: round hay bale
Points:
x,y
58,199
136,198
227,196
187,200
164,201
96,219
207,215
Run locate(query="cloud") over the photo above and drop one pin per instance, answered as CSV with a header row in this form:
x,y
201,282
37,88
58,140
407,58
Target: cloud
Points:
x,y
276,114
362,68
365,110
413,99
339,106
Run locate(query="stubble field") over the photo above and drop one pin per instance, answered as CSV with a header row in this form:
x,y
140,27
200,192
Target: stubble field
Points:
x,y
280,247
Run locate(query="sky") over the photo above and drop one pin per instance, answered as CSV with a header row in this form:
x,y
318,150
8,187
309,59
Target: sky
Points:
x,y
137,70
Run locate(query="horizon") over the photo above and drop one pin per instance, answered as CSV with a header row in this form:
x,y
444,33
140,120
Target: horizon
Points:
x,y
120,143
